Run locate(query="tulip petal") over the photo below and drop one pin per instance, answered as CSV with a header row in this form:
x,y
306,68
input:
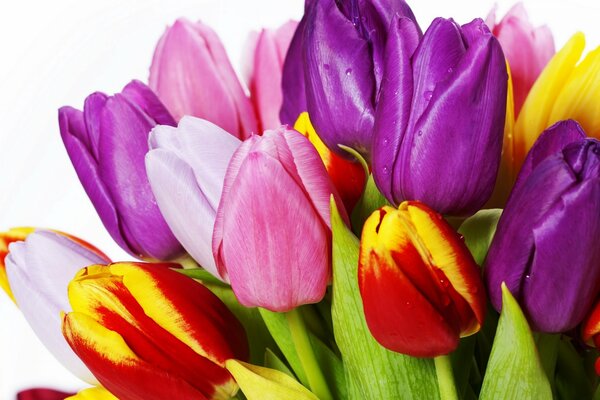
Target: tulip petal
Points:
x,y
6,238
85,160
124,147
535,113
41,394
394,106
340,88
94,393
305,272
46,262
117,366
138,93
193,76
478,88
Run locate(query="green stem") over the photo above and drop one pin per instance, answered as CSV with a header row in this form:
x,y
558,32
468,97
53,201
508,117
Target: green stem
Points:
x,y
313,372
445,377
187,262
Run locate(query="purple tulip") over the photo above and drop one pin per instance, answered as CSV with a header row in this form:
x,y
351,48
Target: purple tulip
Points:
x,y
107,143
334,65
272,235
186,167
546,245
440,118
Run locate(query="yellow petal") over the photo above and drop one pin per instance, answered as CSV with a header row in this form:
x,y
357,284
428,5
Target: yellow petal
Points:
x,y
93,393
13,235
260,383
305,127
537,109
580,98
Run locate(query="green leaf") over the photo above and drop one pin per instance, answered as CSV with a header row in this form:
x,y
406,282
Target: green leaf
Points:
x,y
332,368
371,200
274,362
280,330
478,231
514,370
372,372
572,381
259,338
202,275
462,364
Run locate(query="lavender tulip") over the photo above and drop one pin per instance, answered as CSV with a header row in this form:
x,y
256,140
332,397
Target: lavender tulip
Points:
x,y
546,248
334,65
39,270
440,117
107,143
272,235
186,167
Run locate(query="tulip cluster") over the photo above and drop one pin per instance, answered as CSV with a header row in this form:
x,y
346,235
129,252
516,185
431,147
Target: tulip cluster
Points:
x,y
296,260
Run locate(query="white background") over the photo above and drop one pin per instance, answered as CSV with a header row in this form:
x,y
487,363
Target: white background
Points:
x,y
54,53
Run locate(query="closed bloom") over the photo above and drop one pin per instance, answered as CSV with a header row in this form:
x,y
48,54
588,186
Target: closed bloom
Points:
x,y
266,52
440,117
6,238
527,48
42,394
192,75
545,247
272,235
107,143
347,176
186,168
421,288
39,270
336,56
148,332
566,89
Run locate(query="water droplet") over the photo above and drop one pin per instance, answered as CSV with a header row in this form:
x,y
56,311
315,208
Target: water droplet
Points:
x,y
326,66
420,133
527,276
427,95
396,92
349,71
386,170
450,70
385,142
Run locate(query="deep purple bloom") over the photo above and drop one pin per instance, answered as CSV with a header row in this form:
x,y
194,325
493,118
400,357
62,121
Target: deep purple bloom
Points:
x,y
333,68
107,143
440,118
546,245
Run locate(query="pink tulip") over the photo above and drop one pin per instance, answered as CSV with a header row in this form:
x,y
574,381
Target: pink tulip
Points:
x,y
272,235
192,75
527,48
266,52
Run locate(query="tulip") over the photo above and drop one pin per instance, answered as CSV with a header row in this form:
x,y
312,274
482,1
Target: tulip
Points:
x,y
272,235
590,331
527,48
6,238
186,168
266,53
347,176
42,394
93,393
39,270
340,45
440,118
107,143
421,288
566,89
192,75
545,246
148,332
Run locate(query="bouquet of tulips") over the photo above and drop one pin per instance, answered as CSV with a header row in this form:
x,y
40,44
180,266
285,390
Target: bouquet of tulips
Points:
x,y
381,210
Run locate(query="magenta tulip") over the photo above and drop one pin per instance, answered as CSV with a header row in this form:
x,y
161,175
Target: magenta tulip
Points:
x,y
272,235
192,75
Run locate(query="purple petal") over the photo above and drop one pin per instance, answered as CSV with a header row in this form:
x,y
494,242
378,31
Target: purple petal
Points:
x,y
394,107
39,271
141,95
293,86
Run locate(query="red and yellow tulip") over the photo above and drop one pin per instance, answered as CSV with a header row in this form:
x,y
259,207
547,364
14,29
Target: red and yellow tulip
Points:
x,y
148,332
421,288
